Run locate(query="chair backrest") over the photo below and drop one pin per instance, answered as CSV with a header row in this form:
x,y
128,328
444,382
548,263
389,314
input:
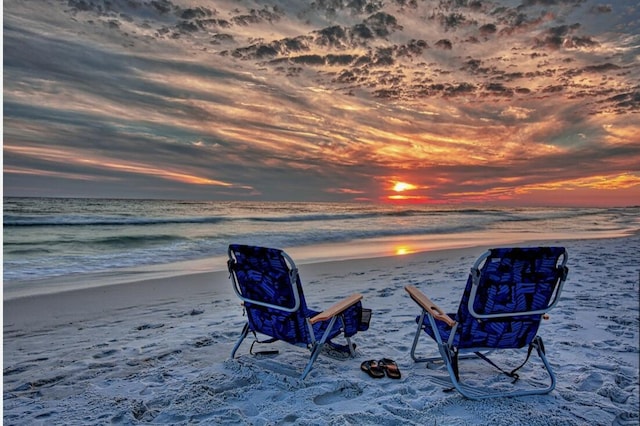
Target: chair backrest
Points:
x,y
508,291
267,281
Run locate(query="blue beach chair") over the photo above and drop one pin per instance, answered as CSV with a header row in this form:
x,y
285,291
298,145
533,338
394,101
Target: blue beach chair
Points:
x,y
508,292
267,282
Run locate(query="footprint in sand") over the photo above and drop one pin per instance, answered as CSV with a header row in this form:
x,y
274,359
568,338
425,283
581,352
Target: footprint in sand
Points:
x,y
291,418
36,384
15,370
386,292
345,391
614,393
626,419
105,354
590,382
149,326
192,313
202,342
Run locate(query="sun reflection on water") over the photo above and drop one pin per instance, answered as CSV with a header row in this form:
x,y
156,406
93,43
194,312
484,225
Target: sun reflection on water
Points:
x,y
401,250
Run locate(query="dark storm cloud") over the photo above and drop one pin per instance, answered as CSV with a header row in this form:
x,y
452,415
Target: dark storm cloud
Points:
x,y
412,49
382,24
331,7
452,21
498,89
340,59
529,3
336,37
555,38
623,103
488,29
256,16
444,44
581,42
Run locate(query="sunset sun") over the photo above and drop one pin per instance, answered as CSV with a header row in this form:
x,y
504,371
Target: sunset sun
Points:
x,y
403,186
404,192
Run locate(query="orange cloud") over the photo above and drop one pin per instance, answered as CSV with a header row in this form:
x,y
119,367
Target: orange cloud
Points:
x,y
69,157
623,181
50,173
611,182
344,191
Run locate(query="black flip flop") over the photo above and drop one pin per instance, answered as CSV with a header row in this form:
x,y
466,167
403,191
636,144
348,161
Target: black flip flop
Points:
x,y
372,368
390,367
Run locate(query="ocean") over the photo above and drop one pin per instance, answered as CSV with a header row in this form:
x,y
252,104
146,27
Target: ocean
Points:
x,y
46,238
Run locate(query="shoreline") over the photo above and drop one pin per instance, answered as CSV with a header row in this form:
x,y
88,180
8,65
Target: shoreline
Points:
x,y
375,248
145,288
98,300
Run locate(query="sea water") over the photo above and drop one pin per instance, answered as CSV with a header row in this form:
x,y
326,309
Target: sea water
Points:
x,y
44,238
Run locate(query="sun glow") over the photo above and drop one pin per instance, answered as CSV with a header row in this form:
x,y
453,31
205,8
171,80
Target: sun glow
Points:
x,y
403,186
402,192
402,250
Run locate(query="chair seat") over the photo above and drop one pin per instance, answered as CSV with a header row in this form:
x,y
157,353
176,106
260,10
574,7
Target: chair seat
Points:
x,y
490,334
291,327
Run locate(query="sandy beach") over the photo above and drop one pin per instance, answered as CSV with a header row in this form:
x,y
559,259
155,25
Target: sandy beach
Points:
x,y
158,351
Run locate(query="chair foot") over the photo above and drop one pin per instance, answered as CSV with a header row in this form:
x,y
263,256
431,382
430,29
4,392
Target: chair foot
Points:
x,y
314,354
484,393
243,334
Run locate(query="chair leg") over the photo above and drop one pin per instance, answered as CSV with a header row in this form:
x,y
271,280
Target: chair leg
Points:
x,y
314,354
537,343
416,338
449,359
437,359
484,393
317,347
352,351
243,334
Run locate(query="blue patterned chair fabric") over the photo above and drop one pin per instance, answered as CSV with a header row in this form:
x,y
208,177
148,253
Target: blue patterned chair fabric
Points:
x,y
510,281
263,275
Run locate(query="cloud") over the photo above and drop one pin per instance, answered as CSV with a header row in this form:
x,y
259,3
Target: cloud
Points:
x,y
293,99
444,44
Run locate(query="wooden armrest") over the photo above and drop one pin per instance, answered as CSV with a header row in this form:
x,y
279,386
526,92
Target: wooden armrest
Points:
x,y
336,309
429,306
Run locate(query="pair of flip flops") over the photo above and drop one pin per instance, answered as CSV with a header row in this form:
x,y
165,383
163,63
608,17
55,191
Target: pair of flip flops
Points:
x,y
377,369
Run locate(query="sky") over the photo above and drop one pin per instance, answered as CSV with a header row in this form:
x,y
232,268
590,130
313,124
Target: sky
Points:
x,y
525,102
